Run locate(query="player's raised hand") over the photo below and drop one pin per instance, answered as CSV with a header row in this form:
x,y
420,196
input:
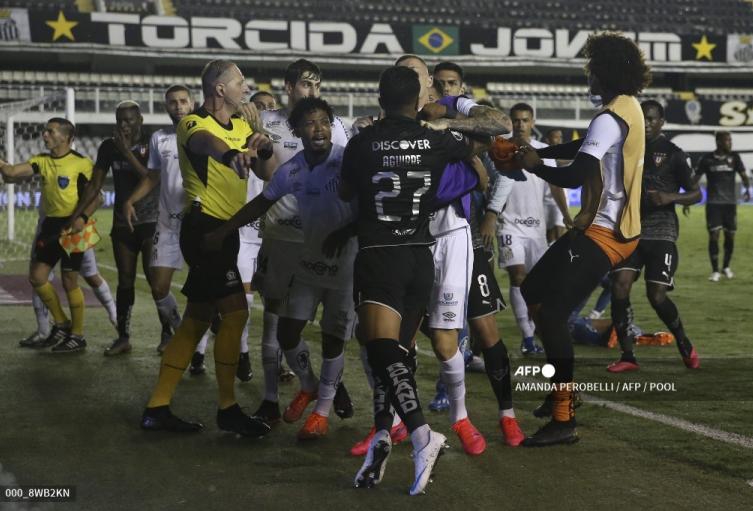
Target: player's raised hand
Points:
x,y
262,144
129,212
361,122
527,157
120,138
251,114
242,163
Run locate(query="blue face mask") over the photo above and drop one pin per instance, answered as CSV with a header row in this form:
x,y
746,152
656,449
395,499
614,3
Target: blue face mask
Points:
x,y
595,100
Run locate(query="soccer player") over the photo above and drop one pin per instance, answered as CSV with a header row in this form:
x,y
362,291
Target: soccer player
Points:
x,y
720,168
164,172
555,200
64,174
608,164
522,235
665,171
312,176
216,149
126,153
264,101
279,258
393,169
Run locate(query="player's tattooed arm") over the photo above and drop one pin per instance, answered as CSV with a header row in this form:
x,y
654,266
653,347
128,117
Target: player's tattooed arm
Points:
x,y
483,121
247,214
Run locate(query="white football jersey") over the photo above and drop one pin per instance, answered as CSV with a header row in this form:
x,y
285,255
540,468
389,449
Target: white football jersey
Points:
x,y
321,212
524,214
282,221
163,158
249,233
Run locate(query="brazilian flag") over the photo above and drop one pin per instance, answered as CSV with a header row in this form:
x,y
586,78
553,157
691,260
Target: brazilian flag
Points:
x,y
435,40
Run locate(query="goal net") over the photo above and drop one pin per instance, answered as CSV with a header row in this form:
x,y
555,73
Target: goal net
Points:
x,y
22,122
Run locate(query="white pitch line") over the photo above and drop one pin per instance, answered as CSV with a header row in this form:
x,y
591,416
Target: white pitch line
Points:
x,y
668,420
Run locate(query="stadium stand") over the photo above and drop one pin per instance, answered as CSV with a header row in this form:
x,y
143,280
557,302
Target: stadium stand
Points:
x,y
681,16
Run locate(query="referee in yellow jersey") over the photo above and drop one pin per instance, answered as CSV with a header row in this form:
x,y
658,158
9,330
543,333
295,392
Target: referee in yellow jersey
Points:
x,y
64,174
216,149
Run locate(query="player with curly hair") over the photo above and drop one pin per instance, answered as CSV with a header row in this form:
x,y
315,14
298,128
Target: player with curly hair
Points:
x,y
608,165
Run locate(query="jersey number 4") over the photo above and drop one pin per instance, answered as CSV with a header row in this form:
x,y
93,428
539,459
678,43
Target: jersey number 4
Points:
x,y
400,187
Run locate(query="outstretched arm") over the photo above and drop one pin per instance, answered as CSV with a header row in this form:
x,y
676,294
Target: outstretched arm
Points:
x,y
247,214
572,176
561,151
15,172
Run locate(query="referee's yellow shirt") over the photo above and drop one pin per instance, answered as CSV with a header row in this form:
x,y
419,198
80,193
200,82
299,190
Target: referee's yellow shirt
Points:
x,y
63,178
208,181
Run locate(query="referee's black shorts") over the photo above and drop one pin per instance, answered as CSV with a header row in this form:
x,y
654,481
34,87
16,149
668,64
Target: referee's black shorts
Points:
x,y
211,275
47,247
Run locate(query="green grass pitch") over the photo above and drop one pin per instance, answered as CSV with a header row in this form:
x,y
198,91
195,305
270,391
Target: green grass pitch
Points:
x,y
73,419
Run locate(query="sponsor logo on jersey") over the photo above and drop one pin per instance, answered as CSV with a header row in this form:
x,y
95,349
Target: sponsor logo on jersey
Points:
x,y
63,182
275,137
403,232
190,124
290,145
291,222
449,316
320,268
400,145
528,222
272,124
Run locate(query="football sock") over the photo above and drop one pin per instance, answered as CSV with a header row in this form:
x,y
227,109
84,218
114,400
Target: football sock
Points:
x,y
364,354
270,357
729,246
227,348
247,326
42,315
383,413
520,310
622,316
76,304
507,412
124,305
668,313
497,364
562,404
175,359
50,298
202,346
387,360
299,360
419,437
167,308
104,296
330,375
714,255
452,373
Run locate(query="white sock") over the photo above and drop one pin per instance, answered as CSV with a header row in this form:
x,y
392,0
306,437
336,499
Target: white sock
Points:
x,y
420,437
366,367
104,296
452,373
520,309
329,376
509,412
42,315
270,356
299,360
168,308
202,346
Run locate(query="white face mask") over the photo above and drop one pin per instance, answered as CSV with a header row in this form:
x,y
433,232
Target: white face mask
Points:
x,y
595,100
